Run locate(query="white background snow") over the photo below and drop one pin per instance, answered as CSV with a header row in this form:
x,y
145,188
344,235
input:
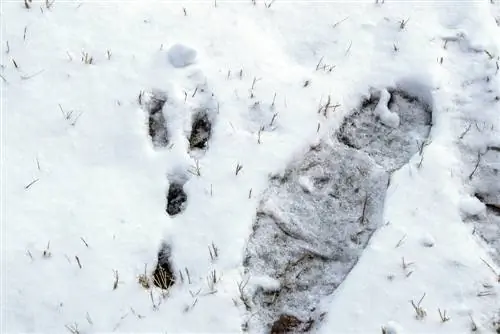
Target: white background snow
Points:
x,y
78,131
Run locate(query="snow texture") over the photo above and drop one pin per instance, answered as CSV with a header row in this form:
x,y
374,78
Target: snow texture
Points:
x,y
108,107
181,55
386,116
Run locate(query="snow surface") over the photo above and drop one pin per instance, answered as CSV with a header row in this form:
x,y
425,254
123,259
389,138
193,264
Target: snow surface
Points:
x,y
387,117
181,55
84,187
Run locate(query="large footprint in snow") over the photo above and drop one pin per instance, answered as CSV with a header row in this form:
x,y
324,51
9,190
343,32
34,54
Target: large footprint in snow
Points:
x,y
315,220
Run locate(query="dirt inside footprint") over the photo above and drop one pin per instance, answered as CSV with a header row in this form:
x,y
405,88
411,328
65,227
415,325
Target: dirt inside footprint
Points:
x,y
176,198
201,130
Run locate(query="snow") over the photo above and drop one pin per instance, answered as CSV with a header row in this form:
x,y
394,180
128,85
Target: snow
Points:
x,y
84,186
181,55
387,117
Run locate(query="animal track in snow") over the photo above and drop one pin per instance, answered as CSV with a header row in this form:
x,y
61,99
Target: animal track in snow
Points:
x,y
167,127
153,103
163,275
315,220
176,196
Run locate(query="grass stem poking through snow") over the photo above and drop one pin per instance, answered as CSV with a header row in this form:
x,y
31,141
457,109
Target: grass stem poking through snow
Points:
x,y
143,279
319,64
492,269
327,106
27,77
462,135
78,261
213,251
473,326
477,165
420,312
259,134
115,283
403,23
348,49
490,55
212,281
89,319
196,169
273,119
268,5
46,253
363,213
405,265
87,59
73,328
86,244
443,316
31,183
48,4
243,296
155,306
400,242
238,168
339,22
